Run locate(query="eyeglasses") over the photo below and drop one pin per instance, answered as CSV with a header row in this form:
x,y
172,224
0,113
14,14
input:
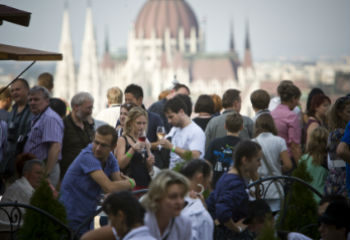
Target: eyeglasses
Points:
x,y
101,144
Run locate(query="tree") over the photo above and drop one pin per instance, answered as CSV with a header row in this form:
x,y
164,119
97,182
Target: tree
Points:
x,y
38,226
299,210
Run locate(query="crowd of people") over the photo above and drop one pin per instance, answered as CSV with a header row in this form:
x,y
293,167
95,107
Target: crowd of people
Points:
x,y
176,155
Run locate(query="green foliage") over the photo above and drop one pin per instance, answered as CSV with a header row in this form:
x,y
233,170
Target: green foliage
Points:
x,y
187,156
37,226
300,207
268,231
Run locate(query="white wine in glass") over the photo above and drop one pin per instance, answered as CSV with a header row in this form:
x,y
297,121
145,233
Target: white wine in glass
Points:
x,y
160,134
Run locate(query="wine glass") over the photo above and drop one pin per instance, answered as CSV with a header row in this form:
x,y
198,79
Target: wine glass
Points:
x,y
142,138
160,134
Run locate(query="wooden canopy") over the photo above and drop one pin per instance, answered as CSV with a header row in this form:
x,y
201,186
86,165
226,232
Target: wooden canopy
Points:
x,y
8,52
14,15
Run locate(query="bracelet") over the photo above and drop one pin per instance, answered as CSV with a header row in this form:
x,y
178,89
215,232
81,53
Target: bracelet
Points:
x,y
132,183
173,148
129,155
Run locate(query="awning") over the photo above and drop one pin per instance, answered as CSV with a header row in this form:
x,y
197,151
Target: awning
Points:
x,y
14,15
8,52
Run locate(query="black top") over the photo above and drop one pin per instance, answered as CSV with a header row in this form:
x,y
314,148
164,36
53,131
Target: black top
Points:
x,y
202,122
220,154
158,107
137,168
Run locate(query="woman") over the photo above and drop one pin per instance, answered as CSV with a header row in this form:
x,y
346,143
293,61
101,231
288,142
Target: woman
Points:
x,y
337,119
217,104
125,215
275,158
133,153
124,109
317,114
227,204
200,173
164,203
205,109
287,122
316,154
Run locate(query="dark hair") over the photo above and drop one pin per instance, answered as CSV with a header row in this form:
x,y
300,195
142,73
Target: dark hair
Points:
x,y
234,122
312,93
58,106
177,86
127,203
194,166
229,97
23,81
334,119
260,99
265,123
128,106
331,198
245,148
21,159
204,104
317,101
175,104
135,90
108,130
187,100
287,91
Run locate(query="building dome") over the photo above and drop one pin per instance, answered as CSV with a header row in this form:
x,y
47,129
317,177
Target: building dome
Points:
x,y
159,15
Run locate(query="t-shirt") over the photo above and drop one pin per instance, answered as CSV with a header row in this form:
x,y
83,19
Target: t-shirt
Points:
x,y
80,194
318,173
190,138
202,122
219,153
272,146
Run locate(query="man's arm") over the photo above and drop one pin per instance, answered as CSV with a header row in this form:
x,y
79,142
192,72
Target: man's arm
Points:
x,y
179,151
52,156
119,182
343,151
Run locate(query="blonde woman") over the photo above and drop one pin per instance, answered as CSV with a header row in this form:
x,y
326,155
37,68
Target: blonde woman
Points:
x,y
133,149
315,158
164,203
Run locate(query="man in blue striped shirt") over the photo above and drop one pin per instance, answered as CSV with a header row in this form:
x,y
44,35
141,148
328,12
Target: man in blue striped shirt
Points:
x,y
45,137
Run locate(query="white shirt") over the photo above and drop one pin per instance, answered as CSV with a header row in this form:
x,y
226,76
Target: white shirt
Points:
x,y
140,233
272,146
178,229
110,115
202,223
190,138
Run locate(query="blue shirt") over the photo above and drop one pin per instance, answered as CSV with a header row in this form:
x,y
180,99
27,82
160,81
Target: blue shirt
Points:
x,y
80,194
229,199
346,139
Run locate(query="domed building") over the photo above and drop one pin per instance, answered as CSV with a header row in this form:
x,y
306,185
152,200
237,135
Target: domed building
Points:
x,y
166,44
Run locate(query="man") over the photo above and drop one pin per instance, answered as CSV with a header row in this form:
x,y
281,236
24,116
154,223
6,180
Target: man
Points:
x,y
45,137
5,103
46,80
110,115
231,101
134,94
185,134
22,189
95,169
158,107
335,221
343,151
78,133
260,100
18,123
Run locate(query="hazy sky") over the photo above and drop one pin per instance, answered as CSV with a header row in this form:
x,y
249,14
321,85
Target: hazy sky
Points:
x,y
278,28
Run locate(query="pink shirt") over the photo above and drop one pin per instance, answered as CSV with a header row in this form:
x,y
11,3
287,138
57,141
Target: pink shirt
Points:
x,y
287,124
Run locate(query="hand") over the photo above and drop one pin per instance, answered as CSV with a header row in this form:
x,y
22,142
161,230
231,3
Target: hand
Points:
x,y
138,146
165,143
241,225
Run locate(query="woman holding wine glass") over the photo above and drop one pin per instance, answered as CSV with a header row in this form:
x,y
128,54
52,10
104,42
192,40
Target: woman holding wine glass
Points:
x,y
133,149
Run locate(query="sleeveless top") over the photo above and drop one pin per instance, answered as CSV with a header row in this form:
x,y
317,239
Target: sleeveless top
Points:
x,y
137,168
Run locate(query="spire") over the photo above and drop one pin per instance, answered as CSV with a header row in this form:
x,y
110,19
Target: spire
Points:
x,y
248,61
65,83
232,42
88,77
106,41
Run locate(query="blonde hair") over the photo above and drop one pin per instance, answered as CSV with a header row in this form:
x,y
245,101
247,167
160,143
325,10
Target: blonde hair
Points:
x,y
159,187
115,95
317,146
134,113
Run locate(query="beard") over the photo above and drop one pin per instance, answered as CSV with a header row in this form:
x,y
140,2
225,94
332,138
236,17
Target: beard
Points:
x,y
82,116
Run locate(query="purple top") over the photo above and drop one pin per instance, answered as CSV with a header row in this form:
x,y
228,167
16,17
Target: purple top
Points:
x,y
287,124
46,128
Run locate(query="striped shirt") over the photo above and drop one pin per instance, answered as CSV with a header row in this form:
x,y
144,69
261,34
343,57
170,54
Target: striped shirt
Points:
x,y
46,128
